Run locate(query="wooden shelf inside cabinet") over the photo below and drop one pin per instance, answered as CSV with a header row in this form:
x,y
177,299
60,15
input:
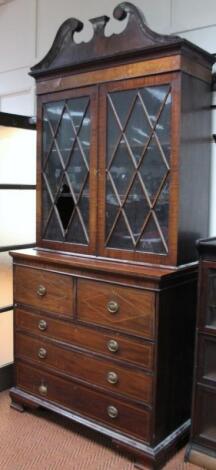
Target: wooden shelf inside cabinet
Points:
x,y
122,141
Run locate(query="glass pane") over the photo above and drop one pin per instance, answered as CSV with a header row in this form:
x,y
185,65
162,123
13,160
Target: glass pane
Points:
x,y
84,205
17,215
138,149
66,172
207,412
121,170
138,130
53,170
123,102
136,208
84,134
120,237
211,309
153,98
46,206
162,209
151,240
77,171
153,169
65,204
17,156
113,133
6,338
53,230
163,128
6,289
209,366
53,113
111,206
77,108
76,233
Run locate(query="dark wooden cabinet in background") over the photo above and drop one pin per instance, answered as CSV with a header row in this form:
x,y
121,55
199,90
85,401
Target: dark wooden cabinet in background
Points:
x,y
105,305
201,449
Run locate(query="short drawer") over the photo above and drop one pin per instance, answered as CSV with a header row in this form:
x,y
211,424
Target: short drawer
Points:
x,y
122,380
121,308
115,346
44,290
133,421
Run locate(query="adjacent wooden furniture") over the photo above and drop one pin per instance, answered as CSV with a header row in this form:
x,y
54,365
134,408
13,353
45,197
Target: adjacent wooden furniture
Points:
x,y
202,447
105,306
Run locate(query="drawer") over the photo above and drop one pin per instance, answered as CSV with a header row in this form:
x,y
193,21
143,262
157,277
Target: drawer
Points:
x,y
44,290
113,345
133,421
122,380
121,308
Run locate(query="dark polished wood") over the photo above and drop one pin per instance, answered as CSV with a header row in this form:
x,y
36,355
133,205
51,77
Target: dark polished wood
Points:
x,y
65,348
105,304
43,290
137,39
129,350
131,420
96,371
201,449
135,309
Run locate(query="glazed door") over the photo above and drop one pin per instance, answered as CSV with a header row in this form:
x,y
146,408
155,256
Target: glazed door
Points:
x,y
136,177
66,202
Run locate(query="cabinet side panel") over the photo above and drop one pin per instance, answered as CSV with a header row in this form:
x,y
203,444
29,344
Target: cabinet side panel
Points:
x,y
195,157
176,331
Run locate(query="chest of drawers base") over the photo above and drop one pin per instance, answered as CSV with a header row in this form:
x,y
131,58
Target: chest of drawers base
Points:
x,y
106,350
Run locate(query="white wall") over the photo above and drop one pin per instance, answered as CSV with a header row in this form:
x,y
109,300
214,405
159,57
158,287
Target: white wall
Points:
x,y
28,27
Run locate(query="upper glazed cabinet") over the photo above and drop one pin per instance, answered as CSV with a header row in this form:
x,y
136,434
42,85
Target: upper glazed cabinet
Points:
x,y
123,139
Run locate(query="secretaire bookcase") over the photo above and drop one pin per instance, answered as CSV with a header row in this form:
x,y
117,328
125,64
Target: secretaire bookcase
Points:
x,y
105,305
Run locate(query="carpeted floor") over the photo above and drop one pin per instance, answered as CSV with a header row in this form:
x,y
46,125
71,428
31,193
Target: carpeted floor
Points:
x,y
43,441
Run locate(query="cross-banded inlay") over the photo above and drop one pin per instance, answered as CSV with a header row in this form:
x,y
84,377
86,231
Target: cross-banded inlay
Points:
x,y
138,167
66,145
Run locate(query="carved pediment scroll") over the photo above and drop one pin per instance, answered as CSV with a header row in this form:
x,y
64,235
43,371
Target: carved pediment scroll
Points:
x,y
137,39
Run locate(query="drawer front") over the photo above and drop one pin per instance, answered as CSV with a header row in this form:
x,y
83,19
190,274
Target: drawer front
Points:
x,y
112,345
134,421
44,290
99,372
122,308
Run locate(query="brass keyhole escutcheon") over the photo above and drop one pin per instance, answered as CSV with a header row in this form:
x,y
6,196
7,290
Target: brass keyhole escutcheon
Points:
x,y
41,290
42,325
112,306
112,412
42,353
113,345
43,389
112,378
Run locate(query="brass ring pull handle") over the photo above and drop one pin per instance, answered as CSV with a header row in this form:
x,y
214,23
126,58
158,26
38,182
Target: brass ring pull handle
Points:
x,y
112,412
42,325
112,378
42,353
41,290
43,390
113,345
112,306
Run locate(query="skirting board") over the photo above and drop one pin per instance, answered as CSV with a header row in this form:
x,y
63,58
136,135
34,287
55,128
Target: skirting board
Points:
x,y
6,377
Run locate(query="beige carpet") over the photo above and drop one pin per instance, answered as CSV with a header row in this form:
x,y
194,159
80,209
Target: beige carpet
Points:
x,y
43,441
